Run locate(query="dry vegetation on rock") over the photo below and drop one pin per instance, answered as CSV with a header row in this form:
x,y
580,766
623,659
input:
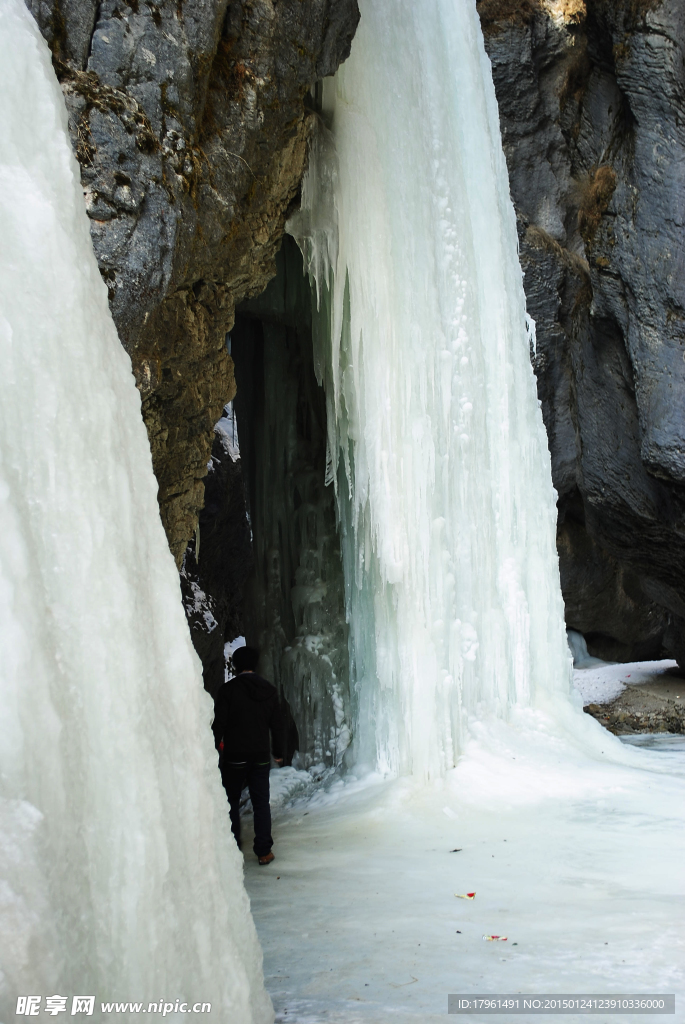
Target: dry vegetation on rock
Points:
x,y
494,14
595,195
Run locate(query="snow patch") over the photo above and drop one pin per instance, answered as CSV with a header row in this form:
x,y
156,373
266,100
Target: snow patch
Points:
x,y
603,684
200,604
226,430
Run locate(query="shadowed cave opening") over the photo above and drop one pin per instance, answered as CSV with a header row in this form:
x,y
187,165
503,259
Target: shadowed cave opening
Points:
x,y
266,563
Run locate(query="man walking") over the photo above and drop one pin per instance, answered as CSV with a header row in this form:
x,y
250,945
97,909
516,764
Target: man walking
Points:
x,y
246,710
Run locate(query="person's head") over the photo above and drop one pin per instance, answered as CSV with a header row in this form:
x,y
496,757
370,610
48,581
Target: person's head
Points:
x,y
245,659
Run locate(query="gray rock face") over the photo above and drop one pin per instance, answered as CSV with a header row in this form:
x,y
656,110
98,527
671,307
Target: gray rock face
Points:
x,y
190,122
591,98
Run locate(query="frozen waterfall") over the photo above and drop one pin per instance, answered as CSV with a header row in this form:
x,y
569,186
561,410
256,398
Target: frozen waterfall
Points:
x,y
446,506
118,875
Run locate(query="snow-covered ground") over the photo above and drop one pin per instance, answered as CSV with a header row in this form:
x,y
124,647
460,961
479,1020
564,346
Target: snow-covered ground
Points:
x,y
603,682
576,857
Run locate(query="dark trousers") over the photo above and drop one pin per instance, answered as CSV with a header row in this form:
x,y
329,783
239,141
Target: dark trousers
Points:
x,y
235,776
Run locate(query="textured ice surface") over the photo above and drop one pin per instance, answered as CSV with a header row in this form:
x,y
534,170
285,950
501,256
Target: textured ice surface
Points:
x,y
578,648
443,473
575,856
118,876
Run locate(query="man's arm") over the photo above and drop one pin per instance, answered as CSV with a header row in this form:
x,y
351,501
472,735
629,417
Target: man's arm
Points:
x,y
276,729
218,723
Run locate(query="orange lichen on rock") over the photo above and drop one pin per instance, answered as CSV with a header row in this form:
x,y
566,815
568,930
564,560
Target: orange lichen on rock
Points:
x,y
596,193
495,14
568,12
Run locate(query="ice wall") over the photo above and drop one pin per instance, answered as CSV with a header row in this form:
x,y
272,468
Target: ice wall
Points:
x,y
118,875
446,506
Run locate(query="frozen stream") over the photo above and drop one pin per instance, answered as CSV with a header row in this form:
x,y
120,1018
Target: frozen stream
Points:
x,y
577,859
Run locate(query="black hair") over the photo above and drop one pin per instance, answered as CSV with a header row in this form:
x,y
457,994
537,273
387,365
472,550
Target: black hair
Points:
x,y
245,659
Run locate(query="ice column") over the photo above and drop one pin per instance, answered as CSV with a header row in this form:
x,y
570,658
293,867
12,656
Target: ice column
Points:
x,y
445,499
118,875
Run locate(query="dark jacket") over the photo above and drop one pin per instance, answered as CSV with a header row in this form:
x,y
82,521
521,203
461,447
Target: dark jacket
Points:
x,y
246,709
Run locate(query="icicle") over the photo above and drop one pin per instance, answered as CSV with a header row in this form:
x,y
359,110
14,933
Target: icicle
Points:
x,y
532,336
330,469
441,463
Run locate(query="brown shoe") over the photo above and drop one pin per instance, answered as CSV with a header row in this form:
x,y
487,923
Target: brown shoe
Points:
x,y
267,858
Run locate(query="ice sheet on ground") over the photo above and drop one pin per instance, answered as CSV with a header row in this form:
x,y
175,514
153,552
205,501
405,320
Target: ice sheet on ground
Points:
x,y
602,685
670,747
576,857
656,741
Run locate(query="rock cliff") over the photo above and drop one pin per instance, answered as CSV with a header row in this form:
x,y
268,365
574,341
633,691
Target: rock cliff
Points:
x,y
591,105
190,122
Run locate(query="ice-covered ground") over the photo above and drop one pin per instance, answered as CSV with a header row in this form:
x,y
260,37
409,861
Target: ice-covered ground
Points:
x,y
575,857
603,682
